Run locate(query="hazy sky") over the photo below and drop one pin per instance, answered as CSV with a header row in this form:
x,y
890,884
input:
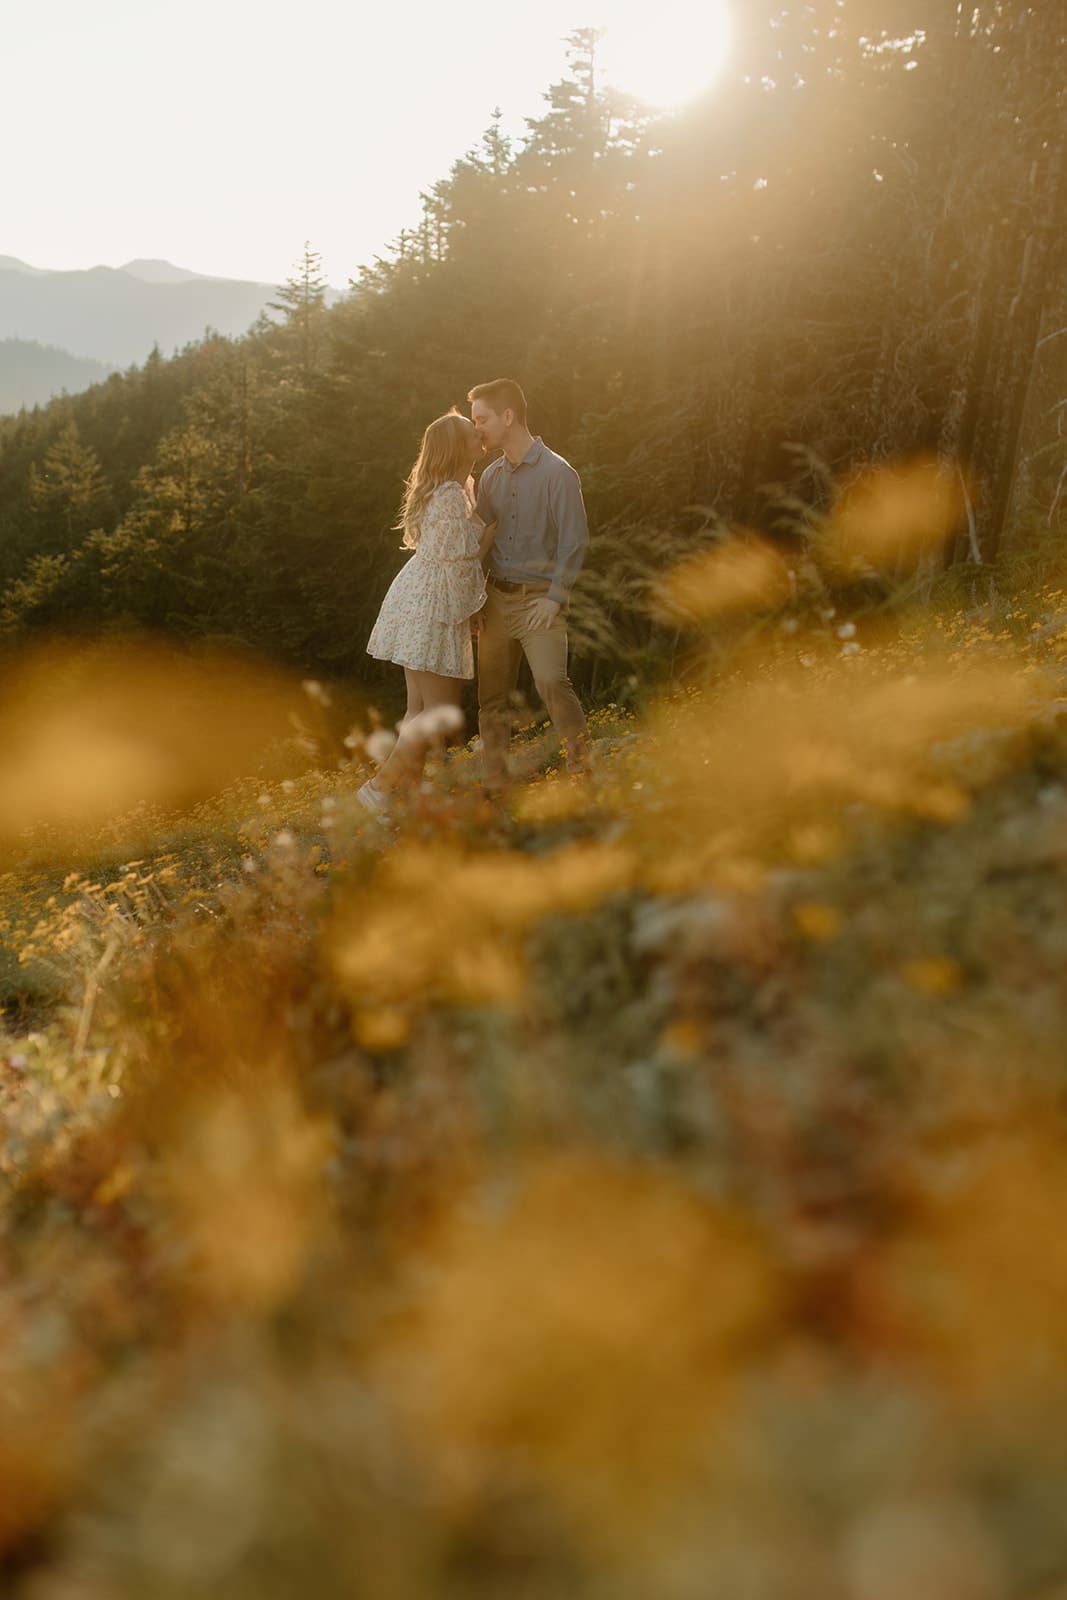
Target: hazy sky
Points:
x,y
222,133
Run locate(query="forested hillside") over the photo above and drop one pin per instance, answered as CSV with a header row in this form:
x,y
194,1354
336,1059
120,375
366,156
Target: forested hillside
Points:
x,y
31,373
847,252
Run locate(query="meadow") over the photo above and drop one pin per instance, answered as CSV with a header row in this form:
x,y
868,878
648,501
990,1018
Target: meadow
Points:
x,y
650,1189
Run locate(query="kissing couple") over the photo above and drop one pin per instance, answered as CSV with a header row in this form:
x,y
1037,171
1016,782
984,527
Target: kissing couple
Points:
x,y
497,565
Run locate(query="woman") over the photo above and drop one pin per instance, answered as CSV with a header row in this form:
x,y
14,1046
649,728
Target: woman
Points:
x,y
424,624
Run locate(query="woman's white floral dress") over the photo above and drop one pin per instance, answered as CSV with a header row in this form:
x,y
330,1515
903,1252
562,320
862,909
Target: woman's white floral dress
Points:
x,y
424,622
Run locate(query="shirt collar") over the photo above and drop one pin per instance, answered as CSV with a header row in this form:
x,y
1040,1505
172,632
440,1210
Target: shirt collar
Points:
x,y
532,456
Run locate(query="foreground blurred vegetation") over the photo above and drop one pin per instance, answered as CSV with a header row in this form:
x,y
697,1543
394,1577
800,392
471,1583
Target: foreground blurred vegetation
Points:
x,y
650,1189
850,251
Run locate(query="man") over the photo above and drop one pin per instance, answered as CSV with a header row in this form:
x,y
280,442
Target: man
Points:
x,y
535,498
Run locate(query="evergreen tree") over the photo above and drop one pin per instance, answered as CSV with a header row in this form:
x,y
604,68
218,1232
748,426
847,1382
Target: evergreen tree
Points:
x,y
69,485
302,303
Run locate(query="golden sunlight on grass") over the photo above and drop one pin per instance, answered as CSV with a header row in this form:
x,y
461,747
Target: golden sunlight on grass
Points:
x,y
743,574
553,1199
899,511
584,1333
36,1456
451,925
91,731
978,1286
243,1186
780,759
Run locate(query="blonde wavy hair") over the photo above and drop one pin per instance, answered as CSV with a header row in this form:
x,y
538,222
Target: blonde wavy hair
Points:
x,y
443,455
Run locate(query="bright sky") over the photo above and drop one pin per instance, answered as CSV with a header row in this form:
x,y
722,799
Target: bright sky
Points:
x,y
220,134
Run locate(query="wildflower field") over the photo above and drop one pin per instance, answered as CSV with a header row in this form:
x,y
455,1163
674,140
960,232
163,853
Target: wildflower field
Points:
x,y
650,1189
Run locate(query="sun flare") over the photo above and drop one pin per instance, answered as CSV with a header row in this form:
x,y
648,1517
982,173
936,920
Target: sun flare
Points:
x,y
665,54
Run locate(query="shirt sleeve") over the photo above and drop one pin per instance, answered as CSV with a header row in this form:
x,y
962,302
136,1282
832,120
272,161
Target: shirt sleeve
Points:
x,y
484,500
572,532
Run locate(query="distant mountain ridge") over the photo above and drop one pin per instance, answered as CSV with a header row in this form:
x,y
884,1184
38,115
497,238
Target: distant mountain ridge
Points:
x,y
116,314
32,374
153,271
150,269
13,264
86,322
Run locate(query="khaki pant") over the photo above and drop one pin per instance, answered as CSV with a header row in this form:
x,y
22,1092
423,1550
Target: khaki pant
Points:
x,y
505,637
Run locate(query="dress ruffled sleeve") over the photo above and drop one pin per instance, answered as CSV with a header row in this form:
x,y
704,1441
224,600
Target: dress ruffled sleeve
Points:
x,y
449,539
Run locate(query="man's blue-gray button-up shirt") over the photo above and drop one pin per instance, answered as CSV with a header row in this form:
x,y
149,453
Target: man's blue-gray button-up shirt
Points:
x,y
542,532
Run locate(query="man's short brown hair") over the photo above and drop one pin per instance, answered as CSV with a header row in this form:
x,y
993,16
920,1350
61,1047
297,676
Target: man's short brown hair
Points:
x,y
502,394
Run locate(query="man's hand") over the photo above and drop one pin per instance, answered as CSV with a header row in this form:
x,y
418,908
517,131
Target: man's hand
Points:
x,y
543,612
478,623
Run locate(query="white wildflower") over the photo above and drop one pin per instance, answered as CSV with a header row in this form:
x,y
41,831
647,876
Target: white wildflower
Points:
x,y
435,722
379,745
316,691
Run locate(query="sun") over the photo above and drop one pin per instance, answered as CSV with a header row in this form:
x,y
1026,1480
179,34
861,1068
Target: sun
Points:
x,y
664,53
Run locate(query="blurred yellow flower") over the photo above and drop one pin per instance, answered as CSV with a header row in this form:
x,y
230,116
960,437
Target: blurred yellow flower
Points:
x,y
744,573
933,975
816,921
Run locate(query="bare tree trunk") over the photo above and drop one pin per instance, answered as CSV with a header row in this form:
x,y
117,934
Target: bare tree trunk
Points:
x,y
1029,308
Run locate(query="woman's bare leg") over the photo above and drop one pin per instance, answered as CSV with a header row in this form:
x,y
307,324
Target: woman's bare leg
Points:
x,y
415,704
431,692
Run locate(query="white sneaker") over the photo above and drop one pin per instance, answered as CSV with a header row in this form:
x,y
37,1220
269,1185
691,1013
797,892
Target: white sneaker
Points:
x,y
372,798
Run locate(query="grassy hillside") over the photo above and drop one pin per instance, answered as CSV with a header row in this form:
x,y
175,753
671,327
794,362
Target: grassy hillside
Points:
x,y
648,1190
